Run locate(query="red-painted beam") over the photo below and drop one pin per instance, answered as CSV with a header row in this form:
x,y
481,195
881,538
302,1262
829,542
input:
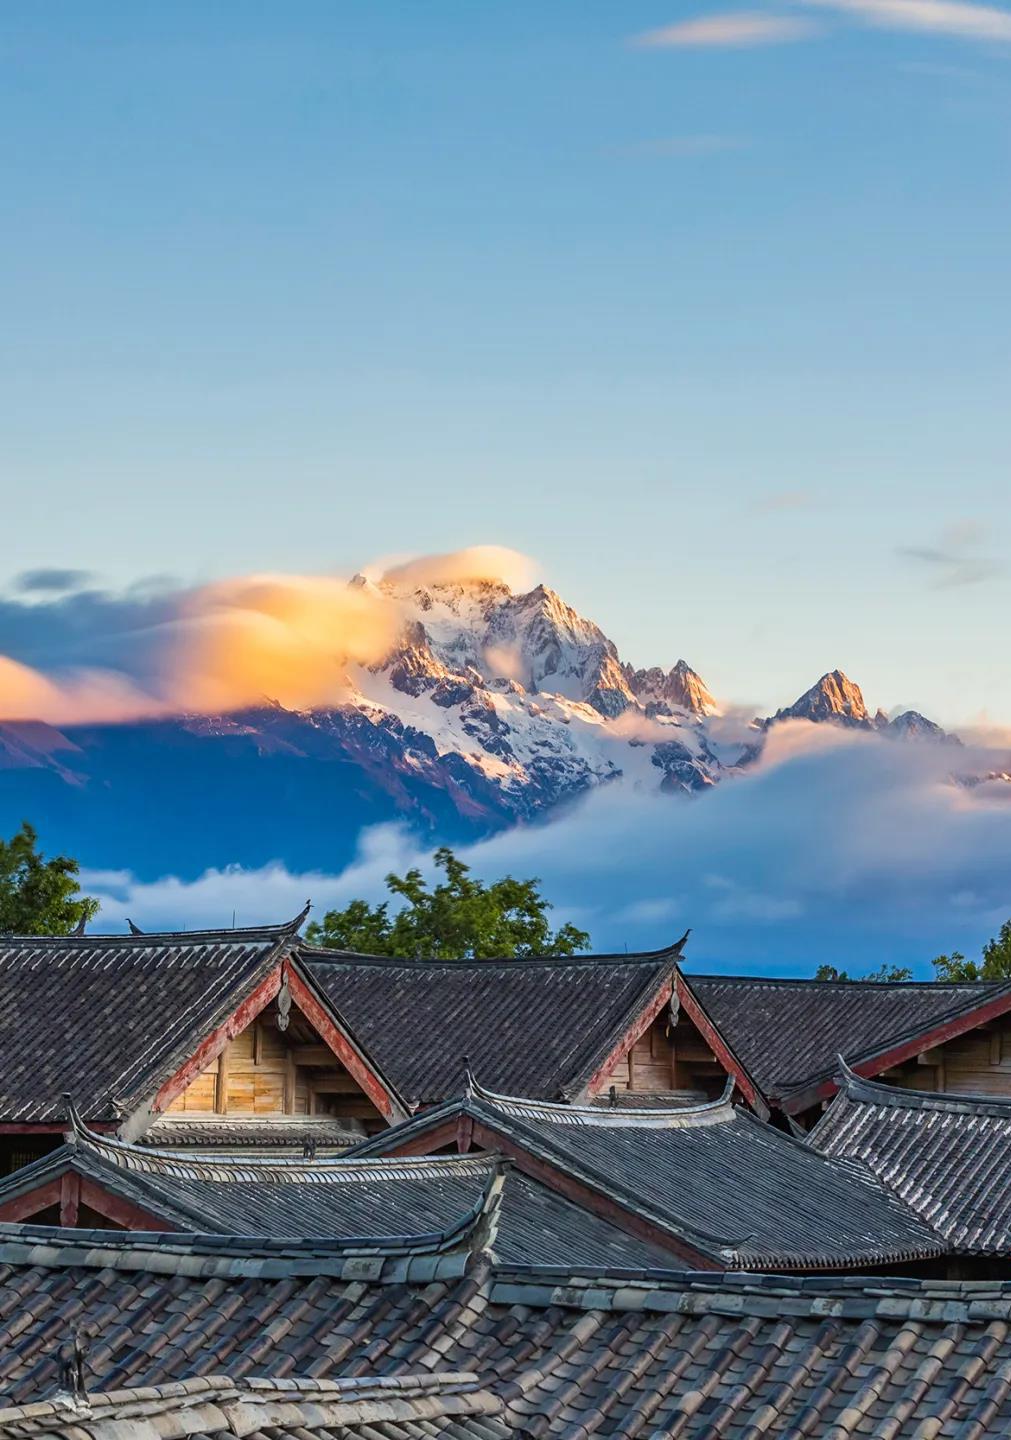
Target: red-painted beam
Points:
x,y
898,1054
212,1045
721,1049
119,1211
635,1032
33,1202
345,1052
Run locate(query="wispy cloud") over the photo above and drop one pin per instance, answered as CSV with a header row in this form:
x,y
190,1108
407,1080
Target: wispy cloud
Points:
x,y
957,558
735,30
937,17
51,581
682,145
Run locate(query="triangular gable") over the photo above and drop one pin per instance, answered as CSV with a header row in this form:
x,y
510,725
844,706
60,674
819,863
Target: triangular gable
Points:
x,y
789,1032
285,991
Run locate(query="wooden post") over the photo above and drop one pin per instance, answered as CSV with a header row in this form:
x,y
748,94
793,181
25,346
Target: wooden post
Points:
x,y
289,1083
70,1199
221,1082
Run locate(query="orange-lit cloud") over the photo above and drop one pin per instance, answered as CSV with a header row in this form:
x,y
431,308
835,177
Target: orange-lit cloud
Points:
x,y
81,696
283,636
238,642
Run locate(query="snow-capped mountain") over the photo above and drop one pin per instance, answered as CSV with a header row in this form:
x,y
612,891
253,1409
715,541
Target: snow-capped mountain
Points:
x,y
837,699
491,708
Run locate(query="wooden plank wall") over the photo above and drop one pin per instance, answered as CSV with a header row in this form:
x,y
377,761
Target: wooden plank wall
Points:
x,y
265,1072
976,1063
662,1060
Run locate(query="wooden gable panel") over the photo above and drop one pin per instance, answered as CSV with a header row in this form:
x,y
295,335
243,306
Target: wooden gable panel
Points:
x,y
264,1071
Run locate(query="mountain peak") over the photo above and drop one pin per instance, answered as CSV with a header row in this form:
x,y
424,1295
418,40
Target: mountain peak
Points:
x,y
834,697
681,688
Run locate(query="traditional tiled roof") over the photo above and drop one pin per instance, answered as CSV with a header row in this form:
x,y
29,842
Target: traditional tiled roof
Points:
x,y
948,1157
788,1033
539,1027
712,1177
402,1407
570,1354
356,1202
109,1018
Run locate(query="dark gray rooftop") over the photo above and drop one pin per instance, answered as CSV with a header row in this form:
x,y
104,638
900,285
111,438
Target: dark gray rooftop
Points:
x,y
627,1356
947,1157
729,1185
536,1027
354,1202
110,1018
788,1033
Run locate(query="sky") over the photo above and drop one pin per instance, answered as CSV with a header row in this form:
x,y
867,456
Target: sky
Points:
x,y
705,308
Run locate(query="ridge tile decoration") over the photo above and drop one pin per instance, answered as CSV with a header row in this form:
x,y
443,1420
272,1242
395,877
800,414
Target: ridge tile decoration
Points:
x,y
94,1180
785,1036
209,1337
713,1184
138,1025
948,1158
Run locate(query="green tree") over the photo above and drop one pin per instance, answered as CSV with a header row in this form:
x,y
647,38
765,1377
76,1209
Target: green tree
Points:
x,y
460,918
882,976
39,896
994,963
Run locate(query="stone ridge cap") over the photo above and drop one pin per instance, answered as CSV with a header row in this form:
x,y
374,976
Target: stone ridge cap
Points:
x,y
201,1256
251,1390
744,1292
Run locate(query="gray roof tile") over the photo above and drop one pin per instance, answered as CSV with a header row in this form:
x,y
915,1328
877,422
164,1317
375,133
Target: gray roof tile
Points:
x,y
947,1157
788,1033
532,1027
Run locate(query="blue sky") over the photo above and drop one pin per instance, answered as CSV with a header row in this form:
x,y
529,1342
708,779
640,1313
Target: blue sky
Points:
x,y
717,331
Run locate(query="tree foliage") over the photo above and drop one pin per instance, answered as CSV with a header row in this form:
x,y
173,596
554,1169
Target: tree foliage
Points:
x,y
993,964
39,896
883,975
460,918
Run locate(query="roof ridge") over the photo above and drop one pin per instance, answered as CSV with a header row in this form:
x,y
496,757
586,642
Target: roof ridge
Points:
x,y
878,986
179,1164
147,938
603,1117
324,955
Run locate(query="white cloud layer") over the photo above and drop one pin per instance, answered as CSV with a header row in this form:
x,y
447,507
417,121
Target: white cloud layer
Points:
x,y
936,17
840,847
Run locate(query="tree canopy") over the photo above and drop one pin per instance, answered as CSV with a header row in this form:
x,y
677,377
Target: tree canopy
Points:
x,y
883,975
993,964
460,918
39,896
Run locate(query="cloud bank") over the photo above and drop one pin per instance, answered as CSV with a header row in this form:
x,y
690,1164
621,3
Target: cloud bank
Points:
x,y
934,17
83,655
840,847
